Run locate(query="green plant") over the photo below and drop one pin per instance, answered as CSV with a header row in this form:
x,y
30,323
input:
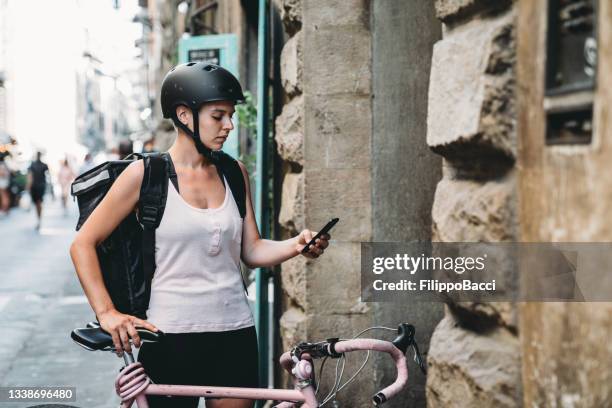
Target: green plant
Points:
x,y
247,113
247,118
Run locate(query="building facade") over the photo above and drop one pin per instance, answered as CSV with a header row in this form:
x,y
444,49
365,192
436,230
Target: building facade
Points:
x,y
166,22
4,66
428,120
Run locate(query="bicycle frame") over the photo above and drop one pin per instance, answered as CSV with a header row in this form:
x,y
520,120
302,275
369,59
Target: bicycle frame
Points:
x,y
304,395
132,384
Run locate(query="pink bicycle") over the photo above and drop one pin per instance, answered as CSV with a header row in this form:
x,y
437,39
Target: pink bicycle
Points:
x,y
132,383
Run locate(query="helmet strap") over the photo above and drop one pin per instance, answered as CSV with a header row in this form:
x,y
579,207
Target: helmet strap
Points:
x,y
195,135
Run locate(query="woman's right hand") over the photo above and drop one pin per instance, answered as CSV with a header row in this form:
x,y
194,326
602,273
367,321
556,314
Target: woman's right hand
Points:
x,y
122,327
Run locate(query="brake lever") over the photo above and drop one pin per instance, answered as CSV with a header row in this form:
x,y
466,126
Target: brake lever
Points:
x,y
405,339
418,358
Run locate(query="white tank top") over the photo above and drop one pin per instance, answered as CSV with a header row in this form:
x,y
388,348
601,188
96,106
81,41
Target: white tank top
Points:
x,y
197,285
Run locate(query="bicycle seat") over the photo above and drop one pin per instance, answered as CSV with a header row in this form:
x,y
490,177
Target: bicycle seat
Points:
x,y
94,338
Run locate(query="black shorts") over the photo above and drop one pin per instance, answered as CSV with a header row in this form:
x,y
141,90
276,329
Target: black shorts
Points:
x,y
37,194
224,359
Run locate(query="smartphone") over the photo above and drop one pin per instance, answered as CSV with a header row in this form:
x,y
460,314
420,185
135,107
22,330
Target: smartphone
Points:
x,y
323,230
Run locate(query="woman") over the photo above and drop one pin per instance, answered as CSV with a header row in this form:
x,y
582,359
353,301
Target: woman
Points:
x,y
65,176
5,181
197,297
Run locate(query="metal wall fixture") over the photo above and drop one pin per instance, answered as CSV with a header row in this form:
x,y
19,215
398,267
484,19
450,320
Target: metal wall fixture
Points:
x,y
571,67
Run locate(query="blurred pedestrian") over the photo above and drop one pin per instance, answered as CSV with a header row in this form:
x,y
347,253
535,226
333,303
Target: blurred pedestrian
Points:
x,y
149,146
65,176
5,181
88,164
125,149
37,184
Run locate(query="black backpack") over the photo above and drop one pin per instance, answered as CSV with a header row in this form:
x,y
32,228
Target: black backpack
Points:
x,y
127,256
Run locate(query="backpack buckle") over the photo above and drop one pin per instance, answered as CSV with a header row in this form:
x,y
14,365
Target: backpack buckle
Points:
x,y
149,214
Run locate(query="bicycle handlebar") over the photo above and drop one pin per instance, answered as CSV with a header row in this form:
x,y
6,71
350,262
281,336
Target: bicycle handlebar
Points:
x,y
387,347
366,344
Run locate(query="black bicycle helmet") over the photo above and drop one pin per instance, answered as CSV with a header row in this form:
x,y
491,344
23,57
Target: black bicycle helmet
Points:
x,y
193,84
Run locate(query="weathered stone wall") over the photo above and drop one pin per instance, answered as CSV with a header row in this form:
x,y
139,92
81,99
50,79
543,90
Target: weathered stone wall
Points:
x,y
565,196
290,140
323,134
405,171
474,351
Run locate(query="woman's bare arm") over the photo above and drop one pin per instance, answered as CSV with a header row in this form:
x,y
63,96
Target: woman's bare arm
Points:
x,y
258,252
120,200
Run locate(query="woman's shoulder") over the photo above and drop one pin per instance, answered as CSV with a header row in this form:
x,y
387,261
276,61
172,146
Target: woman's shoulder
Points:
x,y
245,172
242,167
135,167
228,162
133,173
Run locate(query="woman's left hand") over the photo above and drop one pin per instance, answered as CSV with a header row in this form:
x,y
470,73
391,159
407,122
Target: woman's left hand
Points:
x,y
315,250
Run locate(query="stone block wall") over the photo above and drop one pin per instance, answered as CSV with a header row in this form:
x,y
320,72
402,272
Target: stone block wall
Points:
x,y
289,135
405,171
323,136
474,351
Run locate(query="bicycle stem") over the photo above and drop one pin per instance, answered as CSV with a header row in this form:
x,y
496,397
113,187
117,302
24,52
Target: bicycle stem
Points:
x,y
128,358
305,386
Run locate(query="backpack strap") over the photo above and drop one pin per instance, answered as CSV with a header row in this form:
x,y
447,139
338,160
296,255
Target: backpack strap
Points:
x,y
171,170
153,194
153,191
229,167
